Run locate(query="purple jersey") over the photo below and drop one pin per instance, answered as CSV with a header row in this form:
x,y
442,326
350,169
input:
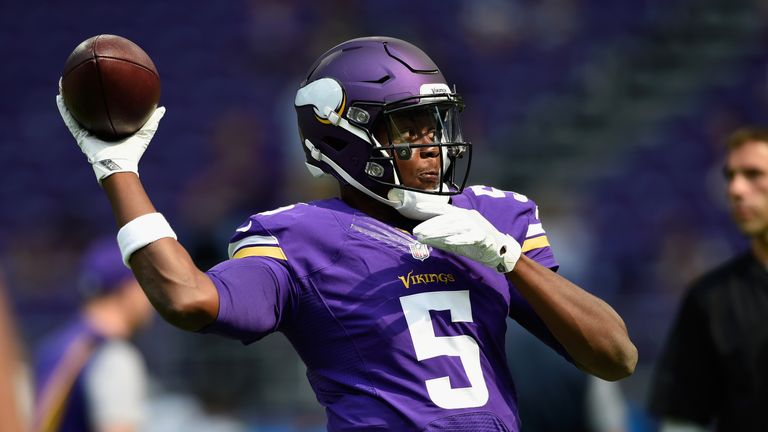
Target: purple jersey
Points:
x,y
395,335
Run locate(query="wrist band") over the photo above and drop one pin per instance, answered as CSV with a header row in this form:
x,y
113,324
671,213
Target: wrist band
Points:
x,y
142,231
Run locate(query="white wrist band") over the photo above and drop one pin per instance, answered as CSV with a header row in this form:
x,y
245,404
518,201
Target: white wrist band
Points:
x,y
142,231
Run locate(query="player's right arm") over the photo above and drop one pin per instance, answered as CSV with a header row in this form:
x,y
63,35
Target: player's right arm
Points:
x,y
182,294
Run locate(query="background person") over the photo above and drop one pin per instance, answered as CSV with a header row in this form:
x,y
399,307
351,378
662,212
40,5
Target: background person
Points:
x,y
713,371
89,377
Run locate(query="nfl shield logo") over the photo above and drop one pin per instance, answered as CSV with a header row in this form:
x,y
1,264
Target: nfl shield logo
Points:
x,y
419,251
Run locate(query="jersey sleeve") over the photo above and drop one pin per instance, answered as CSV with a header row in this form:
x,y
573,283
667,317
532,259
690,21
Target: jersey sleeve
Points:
x,y
255,286
535,244
686,383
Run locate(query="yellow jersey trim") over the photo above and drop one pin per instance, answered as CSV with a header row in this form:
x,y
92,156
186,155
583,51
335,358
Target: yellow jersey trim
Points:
x,y
534,243
267,251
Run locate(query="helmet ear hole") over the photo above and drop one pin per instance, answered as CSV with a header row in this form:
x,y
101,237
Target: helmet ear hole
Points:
x,y
335,143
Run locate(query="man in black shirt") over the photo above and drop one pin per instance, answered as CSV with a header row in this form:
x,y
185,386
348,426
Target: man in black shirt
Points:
x,y
713,371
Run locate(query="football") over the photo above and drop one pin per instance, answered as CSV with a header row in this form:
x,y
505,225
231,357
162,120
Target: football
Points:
x,y
110,86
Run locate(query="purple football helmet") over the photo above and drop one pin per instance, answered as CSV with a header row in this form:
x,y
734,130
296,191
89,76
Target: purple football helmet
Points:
x,y
350,109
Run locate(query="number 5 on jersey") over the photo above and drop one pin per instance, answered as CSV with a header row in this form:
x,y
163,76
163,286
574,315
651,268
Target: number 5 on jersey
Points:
x,y
416,308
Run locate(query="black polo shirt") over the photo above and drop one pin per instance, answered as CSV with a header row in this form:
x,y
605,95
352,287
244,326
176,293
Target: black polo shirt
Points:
x,y
714,366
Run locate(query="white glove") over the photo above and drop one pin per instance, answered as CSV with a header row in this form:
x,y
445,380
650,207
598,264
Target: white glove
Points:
x,y
109,157
467,233
417,205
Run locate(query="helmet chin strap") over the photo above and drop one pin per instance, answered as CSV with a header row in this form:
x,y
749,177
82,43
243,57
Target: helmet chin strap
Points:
x,y
320,157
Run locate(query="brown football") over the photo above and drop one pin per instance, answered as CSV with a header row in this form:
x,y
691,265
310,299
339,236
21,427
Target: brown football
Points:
x,y
110,85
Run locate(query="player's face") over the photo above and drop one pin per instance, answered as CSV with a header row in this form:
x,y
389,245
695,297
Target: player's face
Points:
x,y
746,172
418,162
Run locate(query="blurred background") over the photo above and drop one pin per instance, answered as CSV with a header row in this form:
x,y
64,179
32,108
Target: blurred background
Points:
x,y
609,114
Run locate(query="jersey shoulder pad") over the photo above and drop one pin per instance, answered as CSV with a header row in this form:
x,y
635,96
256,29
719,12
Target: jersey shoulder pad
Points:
x,y
256,234
294,233
509,212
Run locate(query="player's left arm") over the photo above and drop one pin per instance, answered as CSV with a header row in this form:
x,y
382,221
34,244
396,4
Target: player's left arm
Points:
x,y
592,333
590,330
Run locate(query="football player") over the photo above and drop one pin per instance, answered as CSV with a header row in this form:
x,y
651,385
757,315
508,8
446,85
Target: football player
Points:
x,y
396,293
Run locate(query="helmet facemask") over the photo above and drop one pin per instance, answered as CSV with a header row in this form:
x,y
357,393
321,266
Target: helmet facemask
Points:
x,y
426,125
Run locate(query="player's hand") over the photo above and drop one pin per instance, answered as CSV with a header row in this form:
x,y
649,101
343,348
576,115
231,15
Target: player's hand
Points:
x,y
109,157
467,233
